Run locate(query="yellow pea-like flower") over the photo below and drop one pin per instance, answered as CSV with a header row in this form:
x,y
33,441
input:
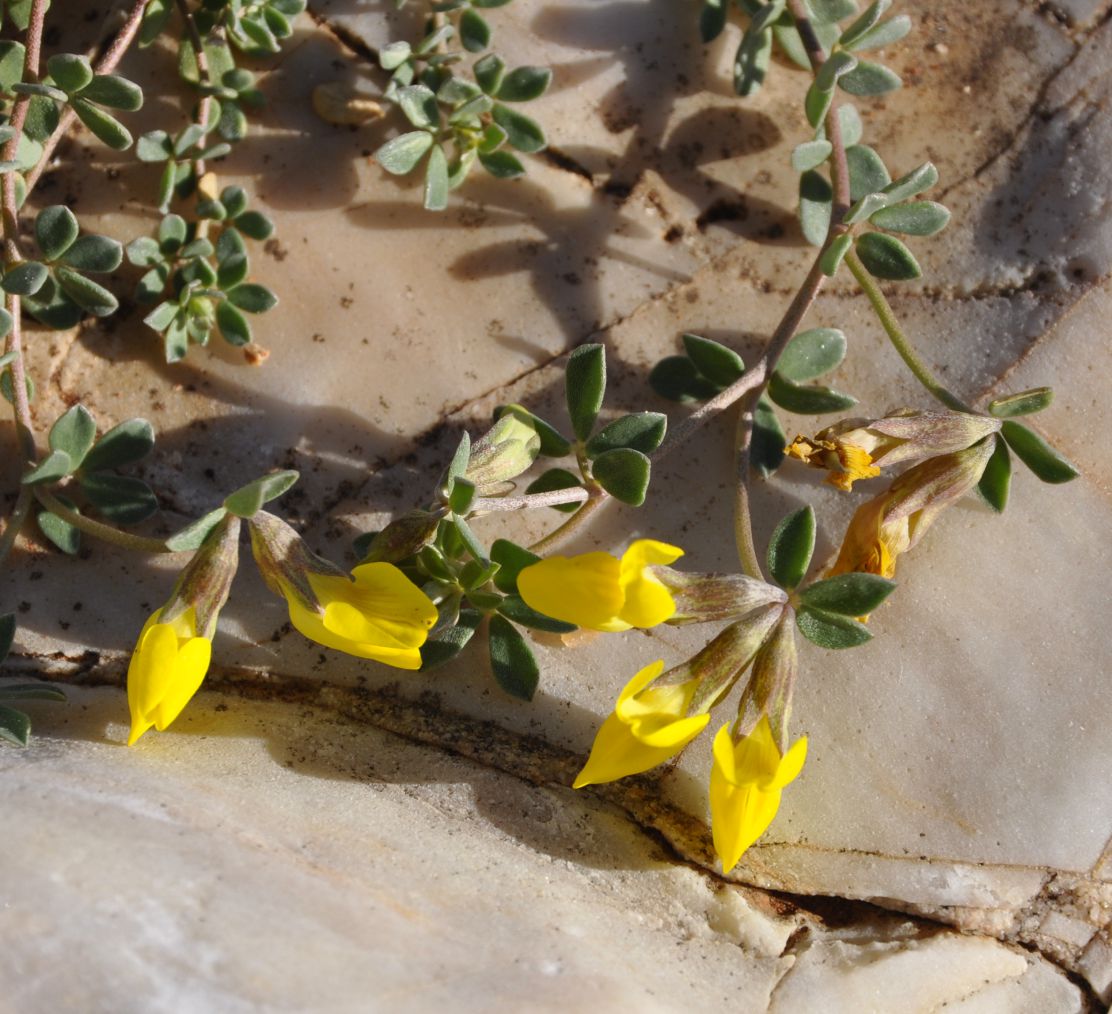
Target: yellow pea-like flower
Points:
x,y
169,662
378,613
745,787
648,726
601,592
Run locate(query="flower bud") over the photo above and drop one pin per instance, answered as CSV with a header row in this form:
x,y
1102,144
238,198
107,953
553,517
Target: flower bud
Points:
x,y
506,450
700,598
772,683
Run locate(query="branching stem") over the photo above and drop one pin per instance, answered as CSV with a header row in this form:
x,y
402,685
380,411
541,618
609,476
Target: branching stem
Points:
x,y
139,543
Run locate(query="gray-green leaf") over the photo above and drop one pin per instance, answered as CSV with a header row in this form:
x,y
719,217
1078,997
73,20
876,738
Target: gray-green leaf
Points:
x,y
129,441
585,386
402,153
74,433
829,630
812,353
719,364
512,661
848,594
916,218
641,431
805,400
624,474
55,230
996,480
1037,454
791,546
1023,403
886,257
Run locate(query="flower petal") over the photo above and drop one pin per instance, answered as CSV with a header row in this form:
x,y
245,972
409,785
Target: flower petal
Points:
x,y
616,753
791,765
583,590
189,667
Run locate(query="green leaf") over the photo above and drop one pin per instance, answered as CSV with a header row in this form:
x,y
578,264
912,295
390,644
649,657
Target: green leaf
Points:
x,y
848,594
55,230
523,84
514,608
884,34
15,726
751,60
400,155
192,535
462,495
641,431
70,73
121,445
1047,464
392,56
829,630
870,79
873,13
816,198
996,480
512,661
816,104
489,72
836,66
850,120
825,12
30,692
810,155
59,532
86,293
419,105
812,353
585,386
154,21
512,559
917,218
106,128
54,466
469,539
436,180
115,92
444,645
172,231
121,499
24,278
719,364
252,298
42,118
7,634
74,433
522,133
791,546
246,501
1023,403
13,55
677,379
98,254
233,325
154,146
867,172
624,474
835,253
502,165
803,400
552,480
712,19
886,257
766,449
255,225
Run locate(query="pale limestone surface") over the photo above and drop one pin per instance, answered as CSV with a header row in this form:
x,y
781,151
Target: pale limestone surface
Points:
x,y
958,764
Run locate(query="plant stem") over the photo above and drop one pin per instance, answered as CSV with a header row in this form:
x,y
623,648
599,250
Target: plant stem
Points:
x,y
140,543
896,336
105,65
25,426
15,522
575,494
203,74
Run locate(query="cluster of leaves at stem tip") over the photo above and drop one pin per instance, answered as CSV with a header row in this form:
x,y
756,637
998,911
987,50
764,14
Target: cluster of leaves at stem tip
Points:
x,y
438,549
458,118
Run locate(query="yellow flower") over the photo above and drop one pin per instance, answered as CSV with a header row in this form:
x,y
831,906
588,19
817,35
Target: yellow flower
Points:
x,y
745,786
648,726
378,613
598,591
169,662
